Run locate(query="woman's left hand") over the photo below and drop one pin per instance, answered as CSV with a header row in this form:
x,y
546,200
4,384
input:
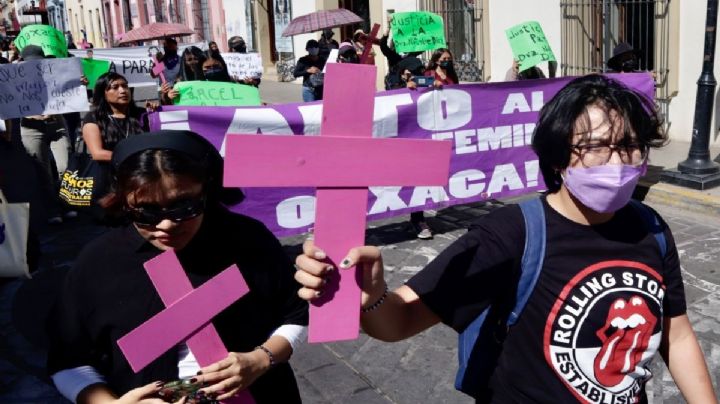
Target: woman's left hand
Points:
x,y
438,84
84,80
152,106
234,373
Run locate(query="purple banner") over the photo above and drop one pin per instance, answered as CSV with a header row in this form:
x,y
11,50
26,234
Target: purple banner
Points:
x,y
490,125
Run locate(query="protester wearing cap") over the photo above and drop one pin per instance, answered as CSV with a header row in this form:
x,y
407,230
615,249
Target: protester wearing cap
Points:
x,y
347,53
310,67
625,59
237,44
168,188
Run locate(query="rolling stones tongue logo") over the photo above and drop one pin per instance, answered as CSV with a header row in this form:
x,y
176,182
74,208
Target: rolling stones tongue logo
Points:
x,y
603,330
625,337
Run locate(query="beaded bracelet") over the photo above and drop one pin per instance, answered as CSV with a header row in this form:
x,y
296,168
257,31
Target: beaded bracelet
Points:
x,y
377,304
269,354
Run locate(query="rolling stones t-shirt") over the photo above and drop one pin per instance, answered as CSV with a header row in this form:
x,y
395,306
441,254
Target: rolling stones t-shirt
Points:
x,y
594,320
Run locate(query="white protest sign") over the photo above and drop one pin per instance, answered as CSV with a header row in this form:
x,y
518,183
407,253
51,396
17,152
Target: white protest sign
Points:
x,y
133,62
41,87
332,58
243,65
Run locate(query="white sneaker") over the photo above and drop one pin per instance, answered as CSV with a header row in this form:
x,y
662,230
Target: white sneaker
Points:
x,y
425,233
71,214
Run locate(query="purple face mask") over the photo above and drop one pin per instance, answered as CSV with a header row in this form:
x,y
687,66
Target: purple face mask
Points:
x,y
605,188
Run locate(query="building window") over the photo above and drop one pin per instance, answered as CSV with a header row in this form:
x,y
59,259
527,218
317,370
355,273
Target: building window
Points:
x,y
592,29
464,33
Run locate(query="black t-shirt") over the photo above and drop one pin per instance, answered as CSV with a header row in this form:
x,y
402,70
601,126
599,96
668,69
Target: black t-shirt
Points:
x,y
594,319
123,127
108,294
305,63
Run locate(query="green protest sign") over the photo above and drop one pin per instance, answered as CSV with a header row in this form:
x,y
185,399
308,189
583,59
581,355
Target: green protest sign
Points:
x,y
48,38
529,45
216,93
93,69
417,31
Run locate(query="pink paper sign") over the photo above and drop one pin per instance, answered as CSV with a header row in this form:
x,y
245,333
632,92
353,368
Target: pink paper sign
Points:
x,y
187,316
342,163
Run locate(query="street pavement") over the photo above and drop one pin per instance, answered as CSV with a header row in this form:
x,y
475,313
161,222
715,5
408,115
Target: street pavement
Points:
x,y
418,370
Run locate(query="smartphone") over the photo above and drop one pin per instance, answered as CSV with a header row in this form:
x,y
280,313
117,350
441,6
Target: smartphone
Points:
x,y
174,391
423,81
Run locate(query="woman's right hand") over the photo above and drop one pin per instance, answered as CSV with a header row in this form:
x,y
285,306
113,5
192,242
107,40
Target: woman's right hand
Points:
x,y
313,269
165,88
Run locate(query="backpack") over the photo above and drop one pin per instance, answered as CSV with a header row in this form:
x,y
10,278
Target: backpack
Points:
x,y
480,344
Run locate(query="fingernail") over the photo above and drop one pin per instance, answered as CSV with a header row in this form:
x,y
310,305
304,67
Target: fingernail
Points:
x,y
159,384
193,380
345,263
329,268
324,281
319,255
318,293
199,372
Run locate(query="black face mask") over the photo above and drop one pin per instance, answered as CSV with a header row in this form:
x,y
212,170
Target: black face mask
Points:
x,y
629,66
170,53
446,64
215,74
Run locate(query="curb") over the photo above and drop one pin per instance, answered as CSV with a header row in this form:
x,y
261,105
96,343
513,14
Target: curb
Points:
x,y
691,200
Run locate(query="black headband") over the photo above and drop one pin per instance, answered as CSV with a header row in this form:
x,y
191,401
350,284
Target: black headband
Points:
x,y
184,141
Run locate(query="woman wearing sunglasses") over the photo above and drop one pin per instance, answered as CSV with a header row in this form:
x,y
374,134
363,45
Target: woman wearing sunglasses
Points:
x,y
168,185
609,294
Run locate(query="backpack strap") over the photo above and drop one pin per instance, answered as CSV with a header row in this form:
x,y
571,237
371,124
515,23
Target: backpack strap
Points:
x,y
652,223
533,254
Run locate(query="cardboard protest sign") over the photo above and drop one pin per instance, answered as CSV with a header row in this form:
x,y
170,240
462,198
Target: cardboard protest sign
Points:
x,y
41,87
216,93
243,65
51,40
529,45
417,31
134,63
92,69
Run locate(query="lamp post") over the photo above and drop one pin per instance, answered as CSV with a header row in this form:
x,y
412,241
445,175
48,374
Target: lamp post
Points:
x,y
698,171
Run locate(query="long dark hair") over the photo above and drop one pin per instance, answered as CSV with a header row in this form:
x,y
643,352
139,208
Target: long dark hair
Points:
x,y
187,73
552,139
209,55
433,64
110,130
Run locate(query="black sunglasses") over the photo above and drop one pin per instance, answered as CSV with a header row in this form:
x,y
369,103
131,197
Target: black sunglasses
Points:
x,y
179,211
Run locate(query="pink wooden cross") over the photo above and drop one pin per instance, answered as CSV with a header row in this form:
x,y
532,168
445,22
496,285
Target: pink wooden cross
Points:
x,y
342,163
186,318
369,40
159,69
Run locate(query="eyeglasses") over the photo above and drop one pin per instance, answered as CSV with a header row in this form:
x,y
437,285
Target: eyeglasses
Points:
x,y
597,154
179,211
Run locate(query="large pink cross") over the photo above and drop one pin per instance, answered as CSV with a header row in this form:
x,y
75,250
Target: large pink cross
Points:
x,y
342,163
368,44
186,317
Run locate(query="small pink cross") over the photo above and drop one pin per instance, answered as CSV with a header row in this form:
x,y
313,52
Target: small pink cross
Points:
x,y
159,69
342,163
369,40
186,318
